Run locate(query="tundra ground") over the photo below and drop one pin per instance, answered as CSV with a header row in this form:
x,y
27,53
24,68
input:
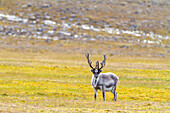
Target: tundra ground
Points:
x,y
42,55
60,82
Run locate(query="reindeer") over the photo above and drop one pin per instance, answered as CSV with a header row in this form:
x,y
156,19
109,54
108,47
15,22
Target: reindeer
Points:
x,y
102,81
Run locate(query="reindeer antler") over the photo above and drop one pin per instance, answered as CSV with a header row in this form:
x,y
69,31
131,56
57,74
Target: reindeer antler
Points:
x,y
88,60
103,62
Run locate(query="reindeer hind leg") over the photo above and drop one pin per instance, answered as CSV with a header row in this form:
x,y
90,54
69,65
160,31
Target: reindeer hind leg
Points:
x,y
114,91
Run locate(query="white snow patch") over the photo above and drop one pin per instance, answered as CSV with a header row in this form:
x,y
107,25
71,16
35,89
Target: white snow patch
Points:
x,y
152,42
42,37
86,27
152,35
13,18
51,31
49,22
65,33
76,36
55,38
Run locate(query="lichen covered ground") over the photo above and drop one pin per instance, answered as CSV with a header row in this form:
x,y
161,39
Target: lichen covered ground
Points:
x,y
59,82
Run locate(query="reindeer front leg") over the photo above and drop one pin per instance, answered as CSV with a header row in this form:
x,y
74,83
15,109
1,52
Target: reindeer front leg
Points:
x,y
95,95
103,92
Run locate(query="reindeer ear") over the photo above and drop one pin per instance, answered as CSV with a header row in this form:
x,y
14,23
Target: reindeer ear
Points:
x,y
91,70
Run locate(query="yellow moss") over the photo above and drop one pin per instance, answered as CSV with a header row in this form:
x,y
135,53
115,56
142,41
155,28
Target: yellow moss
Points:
x,y
62,83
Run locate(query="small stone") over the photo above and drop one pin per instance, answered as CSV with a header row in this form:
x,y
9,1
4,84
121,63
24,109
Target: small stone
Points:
x,y
1,28
38,16
40,30
167,46
135,27
85,19
25,6
4,94
77,48
46,5
112,54
47,17
167,51
64,18
71,19
122,4
1,18
59,45
162,55
73,16
136,12
124,46
23,31
32,18
29,5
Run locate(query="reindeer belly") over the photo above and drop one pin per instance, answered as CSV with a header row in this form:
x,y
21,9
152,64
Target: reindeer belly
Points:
x,y
107,88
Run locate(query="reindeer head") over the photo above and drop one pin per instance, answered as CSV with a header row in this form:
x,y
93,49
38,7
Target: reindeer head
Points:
x,y
96,71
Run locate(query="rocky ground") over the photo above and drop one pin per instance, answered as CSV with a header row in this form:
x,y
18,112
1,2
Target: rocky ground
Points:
x,y
144,23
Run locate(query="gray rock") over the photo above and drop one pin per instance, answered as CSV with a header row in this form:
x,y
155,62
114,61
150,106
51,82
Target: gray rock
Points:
x,y
167,46
73,16
59,45
1,29
71,19
77,48
1,42
1,18
38,16
162,55
78,20
88,9
137,12
47,18
168,2
135,27
112,54
47,40
70,37
129,1
64,18
46,5
118,51
122,4
23,32
143,46
29,5
124,46
33,23
106,10
55,29
32,18
85,19
167,51
67,10
25,6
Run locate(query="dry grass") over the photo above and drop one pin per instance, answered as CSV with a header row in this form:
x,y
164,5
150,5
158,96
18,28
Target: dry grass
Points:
x,y
58,82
